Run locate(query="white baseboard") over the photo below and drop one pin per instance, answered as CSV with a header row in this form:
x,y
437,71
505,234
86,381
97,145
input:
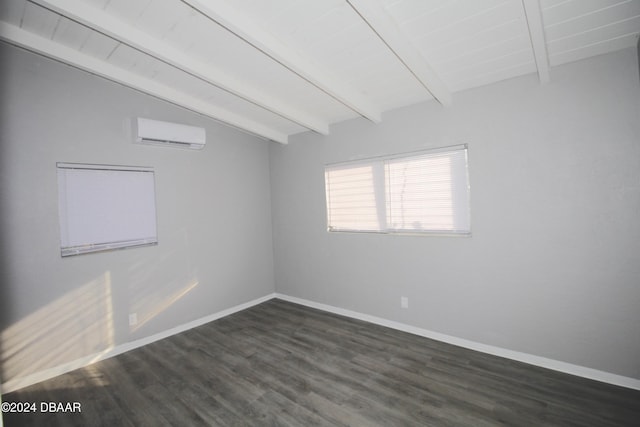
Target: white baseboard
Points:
x,y
543,362
36,377
556,365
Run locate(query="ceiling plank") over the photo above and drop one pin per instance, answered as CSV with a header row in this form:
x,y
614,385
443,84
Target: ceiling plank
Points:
x,y
533,14
49,48
233,20
389,32
138,39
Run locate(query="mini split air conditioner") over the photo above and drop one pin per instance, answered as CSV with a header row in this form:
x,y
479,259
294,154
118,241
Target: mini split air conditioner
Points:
x,y
168,134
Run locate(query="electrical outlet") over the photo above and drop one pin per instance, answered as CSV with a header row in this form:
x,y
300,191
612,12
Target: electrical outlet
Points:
x,y
404,302
133,319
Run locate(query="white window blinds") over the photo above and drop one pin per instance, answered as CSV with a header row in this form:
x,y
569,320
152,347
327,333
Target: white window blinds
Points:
x,y
105,207
427,192
351,195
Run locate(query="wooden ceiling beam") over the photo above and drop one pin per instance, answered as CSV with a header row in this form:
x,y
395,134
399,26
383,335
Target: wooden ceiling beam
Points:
x,y
57,51
533,14
223,13
372,12
115,28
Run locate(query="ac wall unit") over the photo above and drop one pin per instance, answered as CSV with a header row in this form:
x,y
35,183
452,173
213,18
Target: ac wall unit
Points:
x,y
168,134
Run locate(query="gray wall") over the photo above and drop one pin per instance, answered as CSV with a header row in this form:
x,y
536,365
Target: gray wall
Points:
x,y
553,266
213,209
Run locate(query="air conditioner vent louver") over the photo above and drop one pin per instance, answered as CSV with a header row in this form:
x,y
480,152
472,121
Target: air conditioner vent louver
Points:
x,y
155,132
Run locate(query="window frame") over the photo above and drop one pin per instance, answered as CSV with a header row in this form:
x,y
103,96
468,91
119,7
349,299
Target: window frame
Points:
x,y
382,206
78,219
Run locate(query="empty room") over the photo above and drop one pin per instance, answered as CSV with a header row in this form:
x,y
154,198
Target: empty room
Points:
x,y
305,212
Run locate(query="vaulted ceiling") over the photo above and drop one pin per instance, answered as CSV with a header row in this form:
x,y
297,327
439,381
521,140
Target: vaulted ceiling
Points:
x,y
279,67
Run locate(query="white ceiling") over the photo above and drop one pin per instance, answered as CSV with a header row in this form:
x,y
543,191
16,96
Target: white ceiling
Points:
x,y
279,67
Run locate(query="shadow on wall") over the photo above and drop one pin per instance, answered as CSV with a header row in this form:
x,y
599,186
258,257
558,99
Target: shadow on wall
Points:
x,y
81,323
79,326
78,323
157,303
158,283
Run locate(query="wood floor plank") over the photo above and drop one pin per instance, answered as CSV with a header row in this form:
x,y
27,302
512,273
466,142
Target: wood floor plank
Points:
x,y
284,364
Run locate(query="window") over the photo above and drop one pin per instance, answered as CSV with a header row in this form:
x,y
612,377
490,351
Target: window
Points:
x,y
105,207
426,192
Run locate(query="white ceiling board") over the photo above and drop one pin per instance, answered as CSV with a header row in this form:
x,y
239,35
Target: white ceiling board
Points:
x,y
512,65
495,76
295,91
98,3
473,41
351,53
261,11
627,27
386,82
391,99
39,21
266,75
127,10
272,80
591,20
359,56
302,16
126,57
12,11
99,46
243,108
552,3
571,9
594,49
579,29
508,18
450,14
460,39
158,18
470,60
402,47
150,68
185,34
202,38
70,34
272,77
408,10
335,23
276,67
173,77
185,64
71,56
167,75
298,62
147,66
339,48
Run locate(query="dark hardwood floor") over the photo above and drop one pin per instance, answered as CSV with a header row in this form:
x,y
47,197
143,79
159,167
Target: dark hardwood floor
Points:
x,y
283,364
